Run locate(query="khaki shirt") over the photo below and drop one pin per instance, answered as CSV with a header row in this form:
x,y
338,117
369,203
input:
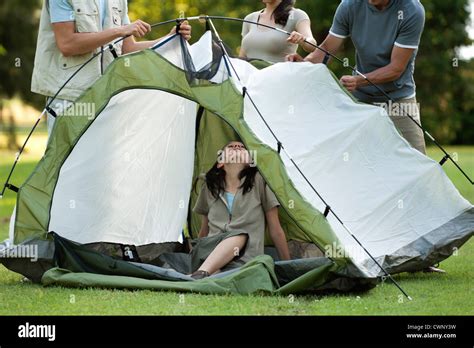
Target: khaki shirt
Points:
x,y
248,214
52,69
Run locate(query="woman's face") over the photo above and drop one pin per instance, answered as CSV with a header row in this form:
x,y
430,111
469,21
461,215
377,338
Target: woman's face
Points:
x,y
234,153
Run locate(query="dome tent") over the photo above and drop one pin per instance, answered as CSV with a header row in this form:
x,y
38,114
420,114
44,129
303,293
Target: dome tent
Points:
x,y
124,177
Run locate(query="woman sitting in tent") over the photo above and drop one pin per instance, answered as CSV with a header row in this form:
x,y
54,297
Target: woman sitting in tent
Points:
x,y
270,45
235,203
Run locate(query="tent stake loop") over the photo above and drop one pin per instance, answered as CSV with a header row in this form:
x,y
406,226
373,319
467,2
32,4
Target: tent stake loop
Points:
x,y
445,158
280,146
12,187
51,112
112,50
326,211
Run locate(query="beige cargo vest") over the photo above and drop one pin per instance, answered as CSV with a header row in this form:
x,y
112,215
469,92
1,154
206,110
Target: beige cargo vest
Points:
x,y
52,69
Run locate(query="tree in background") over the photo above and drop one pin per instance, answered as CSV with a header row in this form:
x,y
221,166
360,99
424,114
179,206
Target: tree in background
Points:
x,y
444,84
18,31
465,91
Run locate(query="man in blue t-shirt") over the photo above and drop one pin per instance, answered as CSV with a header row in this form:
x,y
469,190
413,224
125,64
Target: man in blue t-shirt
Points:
x,y
386,35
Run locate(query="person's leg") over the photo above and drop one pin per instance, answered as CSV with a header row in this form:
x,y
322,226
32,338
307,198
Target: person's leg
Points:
x,y
409,129
224,253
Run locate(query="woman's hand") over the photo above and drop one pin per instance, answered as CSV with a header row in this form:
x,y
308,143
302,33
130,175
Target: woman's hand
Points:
x,y
296,38
184,29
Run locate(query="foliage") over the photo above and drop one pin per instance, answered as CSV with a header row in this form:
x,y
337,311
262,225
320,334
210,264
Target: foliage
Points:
x,y
18,31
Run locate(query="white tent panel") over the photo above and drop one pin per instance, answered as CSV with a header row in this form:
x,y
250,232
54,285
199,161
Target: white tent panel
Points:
x,y
201,51
128,180
170,49
385,191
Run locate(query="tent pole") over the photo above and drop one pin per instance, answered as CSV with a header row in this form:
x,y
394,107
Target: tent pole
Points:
x,y
226,54
17,157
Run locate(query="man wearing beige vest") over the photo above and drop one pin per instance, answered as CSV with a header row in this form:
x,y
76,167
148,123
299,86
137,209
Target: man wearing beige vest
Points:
x,y
70,32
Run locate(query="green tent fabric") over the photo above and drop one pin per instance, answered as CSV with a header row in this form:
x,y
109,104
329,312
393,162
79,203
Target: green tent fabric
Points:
x,y
79,266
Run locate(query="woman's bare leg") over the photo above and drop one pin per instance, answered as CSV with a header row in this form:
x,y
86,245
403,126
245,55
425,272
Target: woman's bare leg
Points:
x,y
224,252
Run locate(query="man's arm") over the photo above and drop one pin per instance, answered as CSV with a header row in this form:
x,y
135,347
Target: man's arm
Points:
x,y
71,43
332,44
398,64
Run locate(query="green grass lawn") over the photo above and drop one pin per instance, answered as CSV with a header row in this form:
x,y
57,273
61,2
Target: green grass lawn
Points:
x,y
434,294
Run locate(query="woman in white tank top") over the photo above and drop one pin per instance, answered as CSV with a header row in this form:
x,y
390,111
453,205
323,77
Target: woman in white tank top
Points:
x,y
263,43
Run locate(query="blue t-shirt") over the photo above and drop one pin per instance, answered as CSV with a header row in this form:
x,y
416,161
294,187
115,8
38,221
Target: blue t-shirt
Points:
x,y
229,197
62,11
374,34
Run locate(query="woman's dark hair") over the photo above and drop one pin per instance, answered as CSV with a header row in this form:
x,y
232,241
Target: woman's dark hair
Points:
x,y
215,179
282,12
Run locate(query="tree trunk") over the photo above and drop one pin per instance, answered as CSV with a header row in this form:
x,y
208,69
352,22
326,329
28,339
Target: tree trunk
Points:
x,y
12,141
